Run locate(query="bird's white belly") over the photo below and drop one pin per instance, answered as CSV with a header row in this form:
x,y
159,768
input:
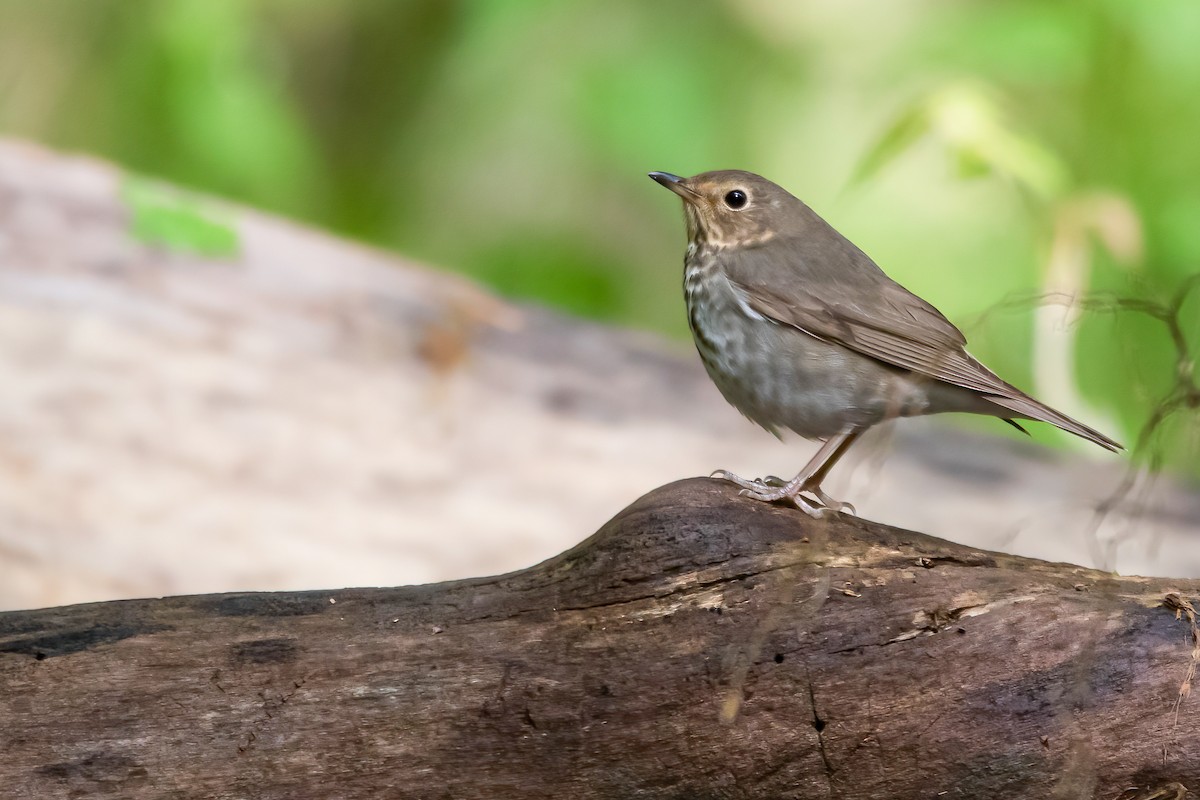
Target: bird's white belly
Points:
x,y
781,377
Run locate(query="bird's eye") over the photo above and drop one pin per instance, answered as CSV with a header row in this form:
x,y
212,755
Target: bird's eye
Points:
x,y
736,199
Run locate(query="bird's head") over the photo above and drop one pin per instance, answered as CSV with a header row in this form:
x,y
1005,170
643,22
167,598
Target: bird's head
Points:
x,y
732,208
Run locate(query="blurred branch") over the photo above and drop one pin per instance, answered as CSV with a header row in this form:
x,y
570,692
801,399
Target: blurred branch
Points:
x,y
1182,396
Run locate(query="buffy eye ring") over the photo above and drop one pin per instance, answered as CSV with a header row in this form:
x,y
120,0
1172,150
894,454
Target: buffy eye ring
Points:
x,y
736,199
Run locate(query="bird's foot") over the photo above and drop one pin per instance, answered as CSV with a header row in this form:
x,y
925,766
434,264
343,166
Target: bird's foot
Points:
x,y
756,485
773,489
833,504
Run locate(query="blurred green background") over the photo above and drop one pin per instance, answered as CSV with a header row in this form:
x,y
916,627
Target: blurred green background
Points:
x,y
982,152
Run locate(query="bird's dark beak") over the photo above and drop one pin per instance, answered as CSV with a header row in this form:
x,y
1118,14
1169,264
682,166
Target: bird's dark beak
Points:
x,y
675,184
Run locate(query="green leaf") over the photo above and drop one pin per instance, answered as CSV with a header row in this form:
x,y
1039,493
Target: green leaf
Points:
x,y
176,221
910,126
968,119
969,163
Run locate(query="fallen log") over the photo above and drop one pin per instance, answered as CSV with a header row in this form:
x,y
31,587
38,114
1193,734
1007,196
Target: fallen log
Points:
x,y
700,645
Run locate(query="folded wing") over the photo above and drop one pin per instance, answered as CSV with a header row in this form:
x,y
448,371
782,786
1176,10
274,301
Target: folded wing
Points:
x,y
847,299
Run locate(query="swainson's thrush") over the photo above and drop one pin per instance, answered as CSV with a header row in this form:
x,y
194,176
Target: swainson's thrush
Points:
x,y
800,329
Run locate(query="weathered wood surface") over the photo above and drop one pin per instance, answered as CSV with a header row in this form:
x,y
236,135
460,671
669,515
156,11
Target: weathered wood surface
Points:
x,y
300,414
700,645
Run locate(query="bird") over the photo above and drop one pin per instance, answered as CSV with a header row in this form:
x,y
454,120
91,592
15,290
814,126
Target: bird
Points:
x,y
801,330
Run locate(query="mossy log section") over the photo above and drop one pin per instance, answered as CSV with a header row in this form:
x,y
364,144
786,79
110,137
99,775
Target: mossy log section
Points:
x,y
700,645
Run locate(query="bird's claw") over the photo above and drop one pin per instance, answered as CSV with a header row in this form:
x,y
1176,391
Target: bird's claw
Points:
x,y
763,494
755,485
773,489
814,510
833,504
801,502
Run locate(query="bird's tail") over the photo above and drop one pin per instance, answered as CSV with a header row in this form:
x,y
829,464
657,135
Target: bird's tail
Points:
x,y
1025,406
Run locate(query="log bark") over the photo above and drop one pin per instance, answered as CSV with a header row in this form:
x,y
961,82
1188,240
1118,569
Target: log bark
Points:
x,y
700,645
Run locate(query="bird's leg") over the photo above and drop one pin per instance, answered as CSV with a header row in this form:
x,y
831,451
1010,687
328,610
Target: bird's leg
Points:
x,y
813,484
809,479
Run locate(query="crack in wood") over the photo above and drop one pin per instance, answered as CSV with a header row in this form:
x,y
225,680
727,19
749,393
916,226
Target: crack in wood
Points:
x,y
819,726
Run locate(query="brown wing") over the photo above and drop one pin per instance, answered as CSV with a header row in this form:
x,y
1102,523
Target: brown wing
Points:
x,y
917,339
844,297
